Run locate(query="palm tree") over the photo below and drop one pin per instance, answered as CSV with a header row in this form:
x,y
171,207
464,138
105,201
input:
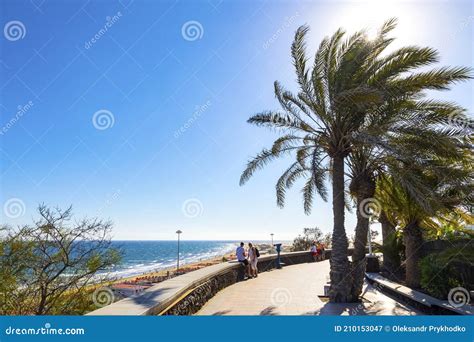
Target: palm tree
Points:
x,y
318,123
394,153
449,188
335,112
390,245
405,129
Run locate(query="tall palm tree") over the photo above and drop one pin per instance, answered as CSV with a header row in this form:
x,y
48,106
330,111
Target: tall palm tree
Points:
x,y
394,152
317,124
405,129
334,112
390,244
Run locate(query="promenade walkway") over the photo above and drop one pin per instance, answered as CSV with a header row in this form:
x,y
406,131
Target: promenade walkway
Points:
x,y
294,290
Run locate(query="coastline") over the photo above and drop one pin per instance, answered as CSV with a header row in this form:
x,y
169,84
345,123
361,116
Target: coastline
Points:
x,y
130,285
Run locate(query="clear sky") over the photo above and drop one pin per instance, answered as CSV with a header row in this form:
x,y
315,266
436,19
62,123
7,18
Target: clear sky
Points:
x,y
136,111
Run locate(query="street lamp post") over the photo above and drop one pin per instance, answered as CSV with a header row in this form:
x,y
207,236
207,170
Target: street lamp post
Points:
x,y
177,265
369,240
272,238
373,264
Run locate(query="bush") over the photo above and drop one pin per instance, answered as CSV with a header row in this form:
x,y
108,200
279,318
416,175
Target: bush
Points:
x,y
304,243
443,271
52,266
393,250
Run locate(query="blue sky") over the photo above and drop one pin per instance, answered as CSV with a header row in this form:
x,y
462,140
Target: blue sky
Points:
x,y
170,137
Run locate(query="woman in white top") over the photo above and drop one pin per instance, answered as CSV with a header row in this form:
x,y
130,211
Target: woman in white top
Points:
x,y
253,260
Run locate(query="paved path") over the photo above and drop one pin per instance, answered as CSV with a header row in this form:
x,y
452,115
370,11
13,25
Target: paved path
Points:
x,y
294,290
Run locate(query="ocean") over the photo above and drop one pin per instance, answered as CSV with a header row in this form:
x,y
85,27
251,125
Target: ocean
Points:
x,y
145,256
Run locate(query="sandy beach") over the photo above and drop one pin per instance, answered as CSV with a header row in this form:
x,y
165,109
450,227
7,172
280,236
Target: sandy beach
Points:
x,y
131,285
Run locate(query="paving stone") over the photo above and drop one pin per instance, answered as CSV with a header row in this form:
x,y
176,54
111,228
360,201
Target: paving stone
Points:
x,y
294,290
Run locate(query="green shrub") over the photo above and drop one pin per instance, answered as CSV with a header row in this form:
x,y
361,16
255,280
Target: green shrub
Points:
x,y
304,243
443,271
393,250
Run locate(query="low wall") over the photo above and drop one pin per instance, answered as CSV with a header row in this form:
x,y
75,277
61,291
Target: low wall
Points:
x,y
195,299
437,246
187,293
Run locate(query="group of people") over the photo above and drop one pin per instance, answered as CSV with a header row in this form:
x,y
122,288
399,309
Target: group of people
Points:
x,y
248,258
317,251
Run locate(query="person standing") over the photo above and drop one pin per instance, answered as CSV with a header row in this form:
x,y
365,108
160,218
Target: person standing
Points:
x,y
314,251
323,251
253,260
319,251
241,257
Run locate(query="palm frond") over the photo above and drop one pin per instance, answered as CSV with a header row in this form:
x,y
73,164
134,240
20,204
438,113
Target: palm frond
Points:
x,y
259,161
282,182
308,195
298,53
279,120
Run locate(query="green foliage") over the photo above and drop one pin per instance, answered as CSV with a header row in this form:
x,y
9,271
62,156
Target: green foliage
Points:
x,y
443,271
451,231
357,103
74,302
368,106
393,248
303,243
52,266
94,263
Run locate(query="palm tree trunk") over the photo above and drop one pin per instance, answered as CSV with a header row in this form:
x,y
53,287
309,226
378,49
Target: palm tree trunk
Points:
x,y
413,238
339,291
364,188
390,265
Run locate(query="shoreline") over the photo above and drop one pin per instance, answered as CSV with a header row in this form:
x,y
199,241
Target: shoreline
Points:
x,y
130,285
184,268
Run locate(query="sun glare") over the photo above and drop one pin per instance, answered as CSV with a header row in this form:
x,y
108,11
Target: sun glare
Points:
x,y
369,15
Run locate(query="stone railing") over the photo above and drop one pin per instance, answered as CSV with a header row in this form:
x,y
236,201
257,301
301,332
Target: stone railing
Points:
x,y
421,301
437,246
187,293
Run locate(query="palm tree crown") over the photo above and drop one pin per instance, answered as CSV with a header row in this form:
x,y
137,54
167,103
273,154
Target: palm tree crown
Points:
x,y
353,100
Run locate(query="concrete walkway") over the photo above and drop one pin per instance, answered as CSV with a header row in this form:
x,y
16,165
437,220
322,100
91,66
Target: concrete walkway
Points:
x,y
294,290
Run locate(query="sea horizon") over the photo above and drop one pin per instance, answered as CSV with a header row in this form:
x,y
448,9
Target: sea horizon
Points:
x,y
216,240
145,256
